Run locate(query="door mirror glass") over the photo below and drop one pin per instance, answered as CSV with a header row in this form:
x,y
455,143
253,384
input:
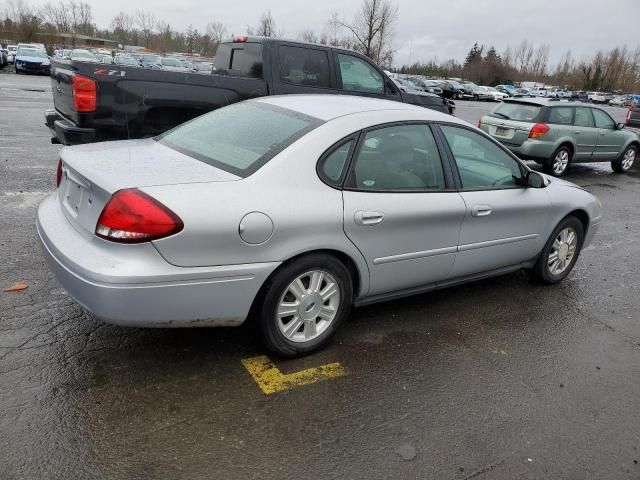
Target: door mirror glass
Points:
x,y
619,126
535,180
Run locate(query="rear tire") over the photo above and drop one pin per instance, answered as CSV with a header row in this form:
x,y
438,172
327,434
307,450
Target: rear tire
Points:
x,y
304,304
558,164
625,162
560,253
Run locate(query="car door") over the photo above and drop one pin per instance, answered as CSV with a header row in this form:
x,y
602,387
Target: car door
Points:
x,y
401,209
585,134
610,139
357,76
303,70
505,223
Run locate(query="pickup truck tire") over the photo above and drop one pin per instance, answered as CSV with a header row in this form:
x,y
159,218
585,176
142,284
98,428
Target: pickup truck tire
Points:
x,y
560,253
317,290
625,162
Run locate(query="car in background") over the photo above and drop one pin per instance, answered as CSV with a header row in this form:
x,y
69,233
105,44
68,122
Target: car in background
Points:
x,y
579,96
621,100
82,55
150,61
125,61
540,92
523,92
556,134
426,86
11,53
141,252
450,88
633,115
203,67
32,59
597,97
172,65
4,61
496,95
104,58
408,85
508,89
560,93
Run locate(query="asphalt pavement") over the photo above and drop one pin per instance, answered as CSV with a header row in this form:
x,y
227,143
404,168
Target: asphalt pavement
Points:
x,y
499,379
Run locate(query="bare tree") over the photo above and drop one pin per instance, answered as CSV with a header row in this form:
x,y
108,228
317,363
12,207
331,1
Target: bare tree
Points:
x,y
266,26
57,14
372,29
308,36
540,60
217,33
164,36
146,21
121,25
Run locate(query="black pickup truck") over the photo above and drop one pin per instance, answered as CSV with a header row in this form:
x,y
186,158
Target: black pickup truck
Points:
x,y
95,102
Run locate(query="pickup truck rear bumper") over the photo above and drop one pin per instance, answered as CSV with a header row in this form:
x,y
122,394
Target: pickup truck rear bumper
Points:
x,y
65,131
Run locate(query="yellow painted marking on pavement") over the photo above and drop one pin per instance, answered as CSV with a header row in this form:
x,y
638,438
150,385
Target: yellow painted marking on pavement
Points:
x,y
271,380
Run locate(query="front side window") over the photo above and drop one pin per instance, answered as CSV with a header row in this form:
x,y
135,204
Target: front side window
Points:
x,y
481,163
561,115
602,119
359,76
403,157
304,66
583,117
240,138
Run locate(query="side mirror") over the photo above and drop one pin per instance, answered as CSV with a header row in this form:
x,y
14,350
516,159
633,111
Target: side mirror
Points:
x,y
535,180
619,126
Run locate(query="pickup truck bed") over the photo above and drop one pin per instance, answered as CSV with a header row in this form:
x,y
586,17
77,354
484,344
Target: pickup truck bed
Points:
x,y
96,102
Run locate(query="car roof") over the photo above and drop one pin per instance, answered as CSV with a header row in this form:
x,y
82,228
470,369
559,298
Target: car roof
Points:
x,y
547,102
328,107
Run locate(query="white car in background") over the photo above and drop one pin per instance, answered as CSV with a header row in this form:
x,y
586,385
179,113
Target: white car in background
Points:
x,y
494,94
541,92
597,97
172,65
11,54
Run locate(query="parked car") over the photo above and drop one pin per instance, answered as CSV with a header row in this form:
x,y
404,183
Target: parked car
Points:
x,y
560,93
524,92
92,105
172,65
495,95
32,60
621,100
540,92
508,89
580,96
387,220
11,53
633,115
450,89
151,61
203,67
557,134
426,85
3,57
82,55
125,61
597,97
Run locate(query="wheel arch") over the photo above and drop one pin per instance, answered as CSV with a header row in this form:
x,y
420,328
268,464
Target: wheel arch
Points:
x,y
566,142
581,215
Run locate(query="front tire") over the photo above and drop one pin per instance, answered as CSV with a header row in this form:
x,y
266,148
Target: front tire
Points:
x,y
304,304
560,252
558,164
624,163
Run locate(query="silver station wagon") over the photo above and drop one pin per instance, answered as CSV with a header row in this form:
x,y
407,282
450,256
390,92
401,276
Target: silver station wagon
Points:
x,y
292,209
556,134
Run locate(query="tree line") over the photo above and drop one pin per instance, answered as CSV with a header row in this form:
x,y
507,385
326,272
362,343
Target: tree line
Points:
x,y
617,69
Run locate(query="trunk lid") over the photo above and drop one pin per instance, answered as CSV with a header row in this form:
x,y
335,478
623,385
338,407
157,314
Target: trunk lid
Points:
x,y
508,132
93,172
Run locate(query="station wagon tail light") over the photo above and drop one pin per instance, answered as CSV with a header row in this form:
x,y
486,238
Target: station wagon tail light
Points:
x,y
538,130
85,94
132,216
59,173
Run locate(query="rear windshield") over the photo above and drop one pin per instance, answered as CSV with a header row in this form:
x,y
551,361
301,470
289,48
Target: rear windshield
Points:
x,y
239,60
524,112
240,138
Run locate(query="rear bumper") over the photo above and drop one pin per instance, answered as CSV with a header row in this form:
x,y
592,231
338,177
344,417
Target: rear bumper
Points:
x,y
65,131
531,149
133,285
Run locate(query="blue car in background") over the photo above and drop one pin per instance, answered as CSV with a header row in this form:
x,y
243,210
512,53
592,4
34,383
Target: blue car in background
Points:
x,y
32,59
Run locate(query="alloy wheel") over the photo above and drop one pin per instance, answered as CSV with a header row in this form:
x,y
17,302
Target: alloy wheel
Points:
x,y
560,162
629,158
562,251
308,306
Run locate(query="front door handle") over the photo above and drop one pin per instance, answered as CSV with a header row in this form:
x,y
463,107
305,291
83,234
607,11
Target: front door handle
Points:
x,y
481,210
368,218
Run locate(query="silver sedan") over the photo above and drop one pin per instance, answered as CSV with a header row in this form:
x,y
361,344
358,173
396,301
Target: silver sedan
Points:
x,y
293,209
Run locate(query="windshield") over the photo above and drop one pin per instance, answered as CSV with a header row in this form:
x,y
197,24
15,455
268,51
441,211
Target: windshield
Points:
x,y
526,112
150,59
170,62
240,138
81,54
32,52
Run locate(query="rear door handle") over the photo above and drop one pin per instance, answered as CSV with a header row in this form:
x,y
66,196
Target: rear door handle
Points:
x,y
481,210
368,218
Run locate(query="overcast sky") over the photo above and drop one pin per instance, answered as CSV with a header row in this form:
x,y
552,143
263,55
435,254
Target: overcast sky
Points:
x,y
425,28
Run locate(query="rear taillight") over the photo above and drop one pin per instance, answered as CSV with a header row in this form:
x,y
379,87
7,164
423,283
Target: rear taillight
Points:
x,y
629,113
85,94
479,123
132,216
538,130
59,173
240,39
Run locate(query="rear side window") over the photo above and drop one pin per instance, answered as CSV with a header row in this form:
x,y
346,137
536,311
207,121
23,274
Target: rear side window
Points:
x,y
561,115
583,117
523,112
240,138
333,164
239,60
359,76
304,66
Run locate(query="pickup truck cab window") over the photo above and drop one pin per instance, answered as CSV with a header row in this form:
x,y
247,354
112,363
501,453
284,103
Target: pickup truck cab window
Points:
x,y
359,76
304,66
239,60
